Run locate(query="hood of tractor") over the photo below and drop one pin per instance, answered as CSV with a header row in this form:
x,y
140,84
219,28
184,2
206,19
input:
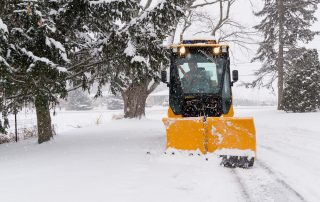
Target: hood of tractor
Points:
x,y
201,105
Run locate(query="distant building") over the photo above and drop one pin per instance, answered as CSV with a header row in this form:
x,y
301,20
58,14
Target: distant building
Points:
x,y
158,98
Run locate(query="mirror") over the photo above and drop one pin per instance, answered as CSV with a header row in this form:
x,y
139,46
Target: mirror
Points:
x,y
164,76
235,76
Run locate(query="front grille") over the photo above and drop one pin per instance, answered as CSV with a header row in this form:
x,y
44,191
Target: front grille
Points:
x,y
201,106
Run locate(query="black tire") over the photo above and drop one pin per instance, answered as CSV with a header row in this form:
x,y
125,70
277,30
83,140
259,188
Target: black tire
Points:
x,y
237,161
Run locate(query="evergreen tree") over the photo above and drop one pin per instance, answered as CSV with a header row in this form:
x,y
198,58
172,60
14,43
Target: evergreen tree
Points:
x,y
3,64
36,60
135,53
54,43
87,25
3,42
302,87
284,24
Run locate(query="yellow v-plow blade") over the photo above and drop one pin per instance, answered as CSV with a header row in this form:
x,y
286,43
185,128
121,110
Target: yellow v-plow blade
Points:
x,y
226,136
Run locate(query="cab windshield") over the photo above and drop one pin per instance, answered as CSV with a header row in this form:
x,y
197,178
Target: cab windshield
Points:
x,y
198,72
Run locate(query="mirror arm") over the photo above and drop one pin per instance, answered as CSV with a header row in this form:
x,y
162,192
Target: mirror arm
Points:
x,y
233,82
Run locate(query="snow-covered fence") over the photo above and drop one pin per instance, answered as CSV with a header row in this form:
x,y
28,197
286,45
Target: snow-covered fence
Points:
x,y
26,126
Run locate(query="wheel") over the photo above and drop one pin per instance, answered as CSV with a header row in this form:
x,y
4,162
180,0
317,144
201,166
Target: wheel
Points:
x,y
237,161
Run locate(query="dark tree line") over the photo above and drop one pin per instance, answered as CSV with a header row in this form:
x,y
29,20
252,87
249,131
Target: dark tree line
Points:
x,y
302,86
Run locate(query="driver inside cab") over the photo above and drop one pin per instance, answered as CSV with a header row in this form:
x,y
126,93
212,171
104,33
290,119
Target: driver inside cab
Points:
x,y
196,80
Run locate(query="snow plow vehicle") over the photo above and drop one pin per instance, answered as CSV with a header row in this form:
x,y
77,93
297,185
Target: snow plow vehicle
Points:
x,y
200,114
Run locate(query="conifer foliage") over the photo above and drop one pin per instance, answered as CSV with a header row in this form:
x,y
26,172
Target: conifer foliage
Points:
x,y
136,53
284,24
3,64
3,42
87,25
35,57
302,87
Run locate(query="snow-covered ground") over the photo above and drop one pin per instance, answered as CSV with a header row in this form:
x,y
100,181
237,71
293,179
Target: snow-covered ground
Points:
x,y
124,160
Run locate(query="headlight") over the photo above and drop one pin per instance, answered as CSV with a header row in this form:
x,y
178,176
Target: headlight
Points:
x,y
182,51
216,50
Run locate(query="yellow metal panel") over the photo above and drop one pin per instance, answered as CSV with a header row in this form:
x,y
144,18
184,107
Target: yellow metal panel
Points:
x,y
210,135
185,133
230,113
171,114
231,133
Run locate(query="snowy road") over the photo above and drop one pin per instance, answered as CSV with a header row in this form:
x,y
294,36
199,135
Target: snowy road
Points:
x,y
125,161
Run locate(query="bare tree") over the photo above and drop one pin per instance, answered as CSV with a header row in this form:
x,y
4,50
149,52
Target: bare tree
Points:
x,y
222,27
190,9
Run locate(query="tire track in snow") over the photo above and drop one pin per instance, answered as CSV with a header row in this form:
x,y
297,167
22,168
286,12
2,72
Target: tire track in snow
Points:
x,y
261,183
292,137
293,158
244,191
280,181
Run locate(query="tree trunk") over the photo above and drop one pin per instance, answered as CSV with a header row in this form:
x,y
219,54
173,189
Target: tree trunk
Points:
x,y
43,119
135,97
280,62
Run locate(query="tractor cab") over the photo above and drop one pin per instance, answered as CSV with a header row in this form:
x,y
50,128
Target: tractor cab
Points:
x,y
200,81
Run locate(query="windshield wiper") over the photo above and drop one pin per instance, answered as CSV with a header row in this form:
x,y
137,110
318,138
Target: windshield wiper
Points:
x,y
208,56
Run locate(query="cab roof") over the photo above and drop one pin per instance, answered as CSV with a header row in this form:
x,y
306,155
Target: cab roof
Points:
x,y
198,43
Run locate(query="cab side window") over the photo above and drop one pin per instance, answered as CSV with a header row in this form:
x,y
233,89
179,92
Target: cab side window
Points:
x,y
175,98
226,93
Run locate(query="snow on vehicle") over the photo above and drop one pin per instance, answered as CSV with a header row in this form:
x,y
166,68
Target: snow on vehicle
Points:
x,y
200,114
